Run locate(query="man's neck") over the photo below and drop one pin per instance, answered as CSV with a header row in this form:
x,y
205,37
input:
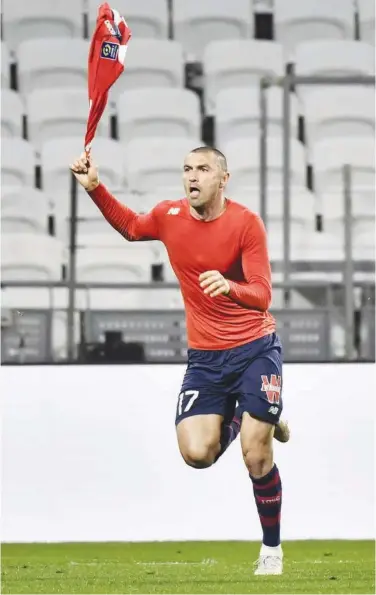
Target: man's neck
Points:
x,y
211,211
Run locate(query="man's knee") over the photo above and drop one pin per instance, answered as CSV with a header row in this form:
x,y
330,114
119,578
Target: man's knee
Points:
x,y
257,446
199,456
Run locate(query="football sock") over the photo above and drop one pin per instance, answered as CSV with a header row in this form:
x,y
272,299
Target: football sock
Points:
x,y
229,432
268,495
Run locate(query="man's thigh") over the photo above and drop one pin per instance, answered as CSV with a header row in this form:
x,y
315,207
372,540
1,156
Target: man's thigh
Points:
x,y
260,392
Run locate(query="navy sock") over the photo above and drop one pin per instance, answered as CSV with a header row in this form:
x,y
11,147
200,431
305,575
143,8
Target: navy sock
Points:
x,y
229,432
268,496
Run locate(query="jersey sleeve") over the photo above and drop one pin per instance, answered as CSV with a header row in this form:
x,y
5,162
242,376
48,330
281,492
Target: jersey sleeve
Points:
x,y
256,291
129,224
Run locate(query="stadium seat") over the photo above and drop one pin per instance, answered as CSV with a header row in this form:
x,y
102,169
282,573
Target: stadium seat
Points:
x,y
24,210
330,155
5,66
11,114
158,112
31,257
241,117
332,206
239,63
302,204
297,21
56,113
155,163
52,63
339,112
334,57
120,264
135,299
243,157
151,63
367,20
364,241
24,20
146,18
57,155
17,162
197,23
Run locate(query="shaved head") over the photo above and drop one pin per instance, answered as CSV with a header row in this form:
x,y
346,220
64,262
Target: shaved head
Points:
x,y
222,161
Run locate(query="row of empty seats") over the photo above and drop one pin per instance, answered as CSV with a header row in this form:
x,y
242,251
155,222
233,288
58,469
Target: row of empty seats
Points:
x,y
194,23
52,63
150,164
55,113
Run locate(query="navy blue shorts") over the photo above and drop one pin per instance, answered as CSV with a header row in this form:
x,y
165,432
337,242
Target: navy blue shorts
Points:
x,y
249,376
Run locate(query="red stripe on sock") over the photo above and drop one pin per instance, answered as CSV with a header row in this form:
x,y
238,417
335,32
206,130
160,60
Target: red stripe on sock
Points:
x,y
266,486
270,521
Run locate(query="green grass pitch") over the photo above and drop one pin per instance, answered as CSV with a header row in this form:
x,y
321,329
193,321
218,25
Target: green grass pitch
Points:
x,y
188,567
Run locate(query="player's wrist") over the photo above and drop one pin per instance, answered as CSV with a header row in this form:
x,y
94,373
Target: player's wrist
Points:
x,y
92,186
228,287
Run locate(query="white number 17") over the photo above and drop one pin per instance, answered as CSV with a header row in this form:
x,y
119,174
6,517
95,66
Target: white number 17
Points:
x,y
193,394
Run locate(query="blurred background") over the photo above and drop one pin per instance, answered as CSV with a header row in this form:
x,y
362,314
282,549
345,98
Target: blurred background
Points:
x,y
284,88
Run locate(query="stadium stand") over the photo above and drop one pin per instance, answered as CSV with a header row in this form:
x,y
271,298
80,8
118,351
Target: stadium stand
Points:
x,y
66,115
367,20
158,111
12,111
51,63
297,21
146,19
198,23
239,63
30,20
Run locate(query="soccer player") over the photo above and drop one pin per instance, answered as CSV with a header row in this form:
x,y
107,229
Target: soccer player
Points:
x,y
218,250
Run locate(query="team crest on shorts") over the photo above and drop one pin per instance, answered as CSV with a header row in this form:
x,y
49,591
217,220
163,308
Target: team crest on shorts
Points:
x,y
109,50
272,388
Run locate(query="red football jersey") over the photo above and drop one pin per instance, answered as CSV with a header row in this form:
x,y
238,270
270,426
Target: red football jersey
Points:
x,y
233,244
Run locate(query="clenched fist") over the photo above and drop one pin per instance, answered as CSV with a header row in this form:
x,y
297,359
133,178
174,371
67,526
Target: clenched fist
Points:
x,y
85,172
213,283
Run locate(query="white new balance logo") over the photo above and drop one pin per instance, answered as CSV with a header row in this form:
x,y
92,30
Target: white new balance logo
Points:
x,y
173,211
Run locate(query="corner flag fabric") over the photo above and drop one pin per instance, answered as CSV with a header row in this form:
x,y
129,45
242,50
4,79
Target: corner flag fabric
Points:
x,y
106,63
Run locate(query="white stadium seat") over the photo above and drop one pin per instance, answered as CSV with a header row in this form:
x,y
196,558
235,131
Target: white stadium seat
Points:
x,y
330,155
362,206
135,299
364,240
339,111
243,157
129,262
334,57
238,113
297,21
197,23
367,20
17,162
151,63
57,155
55,113
24,210
158,112
146,18
52,63
24,20
12,111
5,66
31,257
239,63
154,163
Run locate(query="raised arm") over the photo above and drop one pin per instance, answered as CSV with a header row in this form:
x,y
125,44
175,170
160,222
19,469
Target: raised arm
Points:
x,y
256,291
128,223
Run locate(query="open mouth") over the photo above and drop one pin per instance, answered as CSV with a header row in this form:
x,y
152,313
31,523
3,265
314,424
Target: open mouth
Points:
x,y
194,191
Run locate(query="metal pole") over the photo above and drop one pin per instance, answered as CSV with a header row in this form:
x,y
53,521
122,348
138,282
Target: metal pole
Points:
x,y
349,269
286,184
263,151
72,270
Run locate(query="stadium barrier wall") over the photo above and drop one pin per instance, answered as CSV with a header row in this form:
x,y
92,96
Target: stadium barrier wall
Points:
x,y
89,454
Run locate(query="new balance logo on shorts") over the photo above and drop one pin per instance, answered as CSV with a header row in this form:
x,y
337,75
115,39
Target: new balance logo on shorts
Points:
x,y
273,410
272,388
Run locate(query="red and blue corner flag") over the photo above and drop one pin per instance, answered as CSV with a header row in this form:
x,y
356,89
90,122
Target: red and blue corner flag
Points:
x,y
106,63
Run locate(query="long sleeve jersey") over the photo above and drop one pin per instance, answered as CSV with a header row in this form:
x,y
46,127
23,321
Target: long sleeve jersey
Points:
x,y
234,244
